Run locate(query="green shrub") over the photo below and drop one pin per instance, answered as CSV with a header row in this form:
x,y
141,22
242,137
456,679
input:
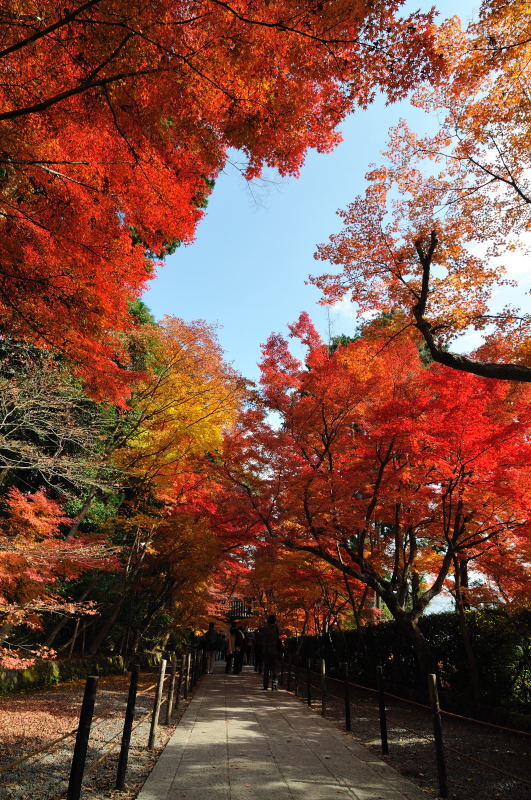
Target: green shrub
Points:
x,y
500,642
50,673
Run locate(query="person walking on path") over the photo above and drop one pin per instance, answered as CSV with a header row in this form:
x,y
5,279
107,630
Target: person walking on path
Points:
x,y
258,650
211,645
271,651
239,649
231,644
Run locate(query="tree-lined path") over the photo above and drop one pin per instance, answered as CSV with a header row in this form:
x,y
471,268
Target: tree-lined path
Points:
x,y
237,742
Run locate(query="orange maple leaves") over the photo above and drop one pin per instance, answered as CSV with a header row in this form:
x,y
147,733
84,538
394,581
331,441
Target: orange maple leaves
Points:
x,y
114,120
431,238
380,467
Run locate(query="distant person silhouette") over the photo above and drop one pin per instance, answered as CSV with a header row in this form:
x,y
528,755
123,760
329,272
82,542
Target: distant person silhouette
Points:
x,y
239,649
231,643
211,646
271,651
258,659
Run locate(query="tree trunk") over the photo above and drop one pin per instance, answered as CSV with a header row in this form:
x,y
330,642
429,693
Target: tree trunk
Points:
x,y
461,607
54,633
106,627
5,630
85,508
423,652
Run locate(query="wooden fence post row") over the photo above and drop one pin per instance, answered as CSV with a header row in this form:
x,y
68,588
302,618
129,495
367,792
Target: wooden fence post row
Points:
x,y
128,727
194,668
381,708
180,681
288,683
323,687
171,689
80,750
156,705
437,735
348,722
186,673
434,700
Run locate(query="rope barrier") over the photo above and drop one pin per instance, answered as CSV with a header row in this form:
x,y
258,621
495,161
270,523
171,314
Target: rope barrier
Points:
x,y
45,749
427,708
108,751
470,758
51,745
429,739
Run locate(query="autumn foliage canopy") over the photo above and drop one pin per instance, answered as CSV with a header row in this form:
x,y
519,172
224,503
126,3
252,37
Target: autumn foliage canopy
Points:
x,y
115,119
143,481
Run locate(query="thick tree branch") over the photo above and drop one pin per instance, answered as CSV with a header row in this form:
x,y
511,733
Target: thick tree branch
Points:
x,y
50,29
485,369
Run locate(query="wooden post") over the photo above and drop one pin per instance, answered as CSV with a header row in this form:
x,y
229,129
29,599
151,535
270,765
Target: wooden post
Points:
x,y
309,683
194,668
296,678
193,654
171,689
437,735
288,683
348,723
186,674
323,687
156,705
381,706
282,670
179,683
74,637
128,727
83,732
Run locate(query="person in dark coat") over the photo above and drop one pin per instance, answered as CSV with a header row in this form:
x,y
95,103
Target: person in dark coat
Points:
x,y
271,651
258,658
239,649
211,646
231,643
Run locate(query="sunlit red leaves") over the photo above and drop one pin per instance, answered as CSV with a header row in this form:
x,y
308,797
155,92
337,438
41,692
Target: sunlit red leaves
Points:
x,y
115,122
467,185
393,464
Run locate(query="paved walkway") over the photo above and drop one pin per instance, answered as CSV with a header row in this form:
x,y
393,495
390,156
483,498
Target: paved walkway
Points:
x,y
237,742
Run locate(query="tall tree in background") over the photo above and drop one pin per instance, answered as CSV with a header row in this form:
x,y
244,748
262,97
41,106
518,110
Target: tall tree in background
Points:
x,y
384,469
304,592
124,520
439,224
115,119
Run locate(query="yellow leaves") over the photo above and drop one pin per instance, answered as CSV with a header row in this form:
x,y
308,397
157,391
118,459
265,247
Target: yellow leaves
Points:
x,y
182,410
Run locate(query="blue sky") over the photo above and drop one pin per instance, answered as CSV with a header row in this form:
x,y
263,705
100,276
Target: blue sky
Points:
x,y
254,249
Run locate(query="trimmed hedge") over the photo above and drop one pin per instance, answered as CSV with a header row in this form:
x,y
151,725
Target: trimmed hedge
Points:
x,y
501,644
50,673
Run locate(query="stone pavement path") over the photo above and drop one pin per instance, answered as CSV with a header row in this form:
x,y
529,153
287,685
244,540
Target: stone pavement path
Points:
x,y
237,742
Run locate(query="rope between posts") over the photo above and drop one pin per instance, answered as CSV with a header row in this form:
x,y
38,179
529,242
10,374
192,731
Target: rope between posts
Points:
x,y
428,708
449,747
112,739
109,749
490,766
470,758
44,749
51,745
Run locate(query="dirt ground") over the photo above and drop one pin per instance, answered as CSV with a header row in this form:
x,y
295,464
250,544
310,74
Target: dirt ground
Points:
x,y
482,762
34,720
